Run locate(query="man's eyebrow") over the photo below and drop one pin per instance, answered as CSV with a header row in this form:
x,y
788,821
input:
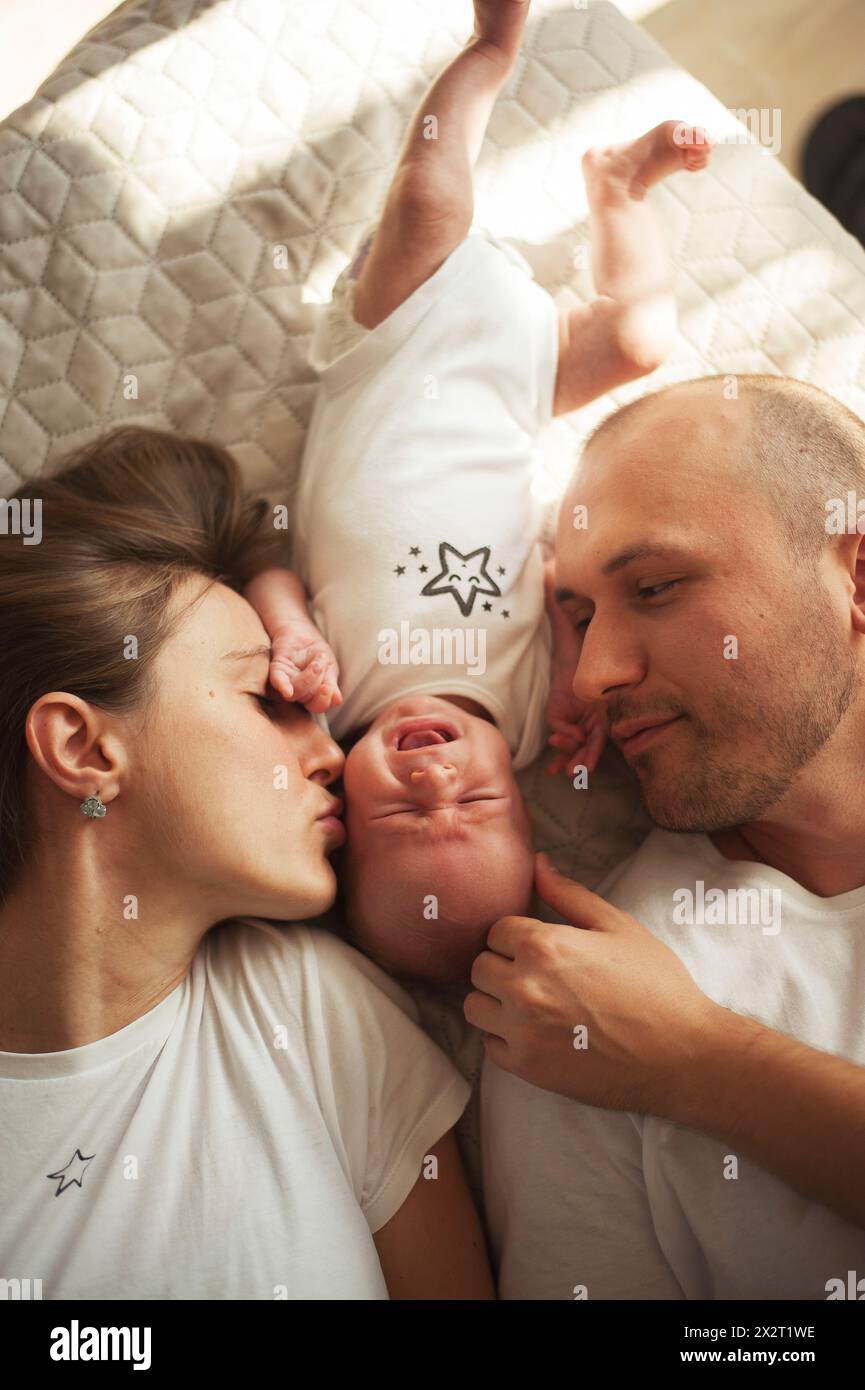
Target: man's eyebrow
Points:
x,y
638,552
246,653
623,559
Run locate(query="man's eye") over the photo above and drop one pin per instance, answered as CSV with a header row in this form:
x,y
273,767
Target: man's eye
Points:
x,y
265,702
653,590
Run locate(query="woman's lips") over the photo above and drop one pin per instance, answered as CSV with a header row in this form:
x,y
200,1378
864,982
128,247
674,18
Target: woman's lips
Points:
x,y
334,827
332,823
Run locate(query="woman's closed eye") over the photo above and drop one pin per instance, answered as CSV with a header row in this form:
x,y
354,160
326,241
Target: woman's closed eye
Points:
x,y
266,703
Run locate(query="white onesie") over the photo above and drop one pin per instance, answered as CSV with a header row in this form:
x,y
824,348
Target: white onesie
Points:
x,y
417,532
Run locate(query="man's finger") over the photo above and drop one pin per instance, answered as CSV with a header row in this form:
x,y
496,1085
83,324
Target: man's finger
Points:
x,y
497,1050
505,934
572,900
483,1012
490,973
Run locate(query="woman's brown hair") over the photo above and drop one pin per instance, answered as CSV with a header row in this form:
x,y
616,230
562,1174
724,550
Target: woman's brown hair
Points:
x,y
128,517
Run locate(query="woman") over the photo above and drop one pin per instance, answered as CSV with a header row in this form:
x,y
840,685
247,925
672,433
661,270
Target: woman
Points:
x,y
192,1106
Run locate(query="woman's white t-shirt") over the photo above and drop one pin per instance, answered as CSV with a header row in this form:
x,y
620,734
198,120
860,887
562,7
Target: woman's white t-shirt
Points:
x,y
244,1139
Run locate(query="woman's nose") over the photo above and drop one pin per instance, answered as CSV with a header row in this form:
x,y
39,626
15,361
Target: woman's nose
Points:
x,y
325,760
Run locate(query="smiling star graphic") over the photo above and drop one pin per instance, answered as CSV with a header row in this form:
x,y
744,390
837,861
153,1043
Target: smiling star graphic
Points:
x,y
464,576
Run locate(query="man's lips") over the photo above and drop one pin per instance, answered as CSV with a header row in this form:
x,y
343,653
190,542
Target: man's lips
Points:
x,y
632,735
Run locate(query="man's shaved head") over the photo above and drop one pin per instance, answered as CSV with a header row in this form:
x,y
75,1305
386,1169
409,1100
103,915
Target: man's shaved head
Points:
x,y
804,447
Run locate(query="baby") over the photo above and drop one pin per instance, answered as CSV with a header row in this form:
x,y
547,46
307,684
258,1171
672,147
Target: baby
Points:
x,y
417,534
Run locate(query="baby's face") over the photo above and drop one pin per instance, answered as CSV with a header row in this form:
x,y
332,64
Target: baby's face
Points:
x,y
439,841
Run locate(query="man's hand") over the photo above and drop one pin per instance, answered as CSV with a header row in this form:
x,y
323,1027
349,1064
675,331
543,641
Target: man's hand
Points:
x,y
303,667
646,1022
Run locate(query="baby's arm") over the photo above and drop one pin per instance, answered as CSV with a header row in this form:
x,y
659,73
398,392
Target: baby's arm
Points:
x,y
628,330
302,665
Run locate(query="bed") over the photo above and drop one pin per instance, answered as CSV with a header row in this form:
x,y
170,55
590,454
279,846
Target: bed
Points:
x,y
179,196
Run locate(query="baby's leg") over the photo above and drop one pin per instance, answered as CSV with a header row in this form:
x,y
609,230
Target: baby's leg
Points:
x,y
430,204
629,329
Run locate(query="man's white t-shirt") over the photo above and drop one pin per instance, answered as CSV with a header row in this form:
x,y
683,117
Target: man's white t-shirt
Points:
x,y
244,1139
635,1207
417,530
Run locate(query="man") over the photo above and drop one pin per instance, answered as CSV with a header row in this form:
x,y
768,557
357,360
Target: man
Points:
x,y
720,623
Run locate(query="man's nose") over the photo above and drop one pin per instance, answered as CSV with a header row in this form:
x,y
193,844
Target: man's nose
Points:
x,y
609,659
434,783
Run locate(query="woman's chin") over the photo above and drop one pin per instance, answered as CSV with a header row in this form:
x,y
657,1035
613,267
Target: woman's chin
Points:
x,y
307,891
319,893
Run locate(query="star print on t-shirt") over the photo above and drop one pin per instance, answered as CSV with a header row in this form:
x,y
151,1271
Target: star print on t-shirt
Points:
x,y
73,1172
463,576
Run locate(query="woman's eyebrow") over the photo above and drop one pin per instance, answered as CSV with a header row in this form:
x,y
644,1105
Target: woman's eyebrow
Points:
x,y
246,653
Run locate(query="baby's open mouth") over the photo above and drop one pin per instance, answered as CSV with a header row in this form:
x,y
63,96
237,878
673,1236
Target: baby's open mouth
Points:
x,y
423,738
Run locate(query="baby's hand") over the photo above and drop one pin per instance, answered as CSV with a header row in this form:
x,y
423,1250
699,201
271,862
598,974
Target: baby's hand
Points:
x,y
579,731
303,667
579,727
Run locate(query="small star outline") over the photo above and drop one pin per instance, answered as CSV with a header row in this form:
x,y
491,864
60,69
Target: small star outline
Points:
x,y
73,1171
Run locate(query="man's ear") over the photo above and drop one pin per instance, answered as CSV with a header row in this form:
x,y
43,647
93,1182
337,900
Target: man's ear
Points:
x,y
857,573
72,743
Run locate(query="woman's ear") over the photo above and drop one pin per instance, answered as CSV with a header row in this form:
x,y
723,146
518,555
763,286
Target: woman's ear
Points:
x,y
72,743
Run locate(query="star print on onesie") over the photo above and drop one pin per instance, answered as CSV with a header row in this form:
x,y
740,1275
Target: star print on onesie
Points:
x,y
463,576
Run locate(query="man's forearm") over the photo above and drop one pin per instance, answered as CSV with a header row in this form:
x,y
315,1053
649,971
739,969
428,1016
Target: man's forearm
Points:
x,y
796,1111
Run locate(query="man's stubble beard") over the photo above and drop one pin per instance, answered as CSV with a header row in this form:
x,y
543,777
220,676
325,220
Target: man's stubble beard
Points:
x,y
715,789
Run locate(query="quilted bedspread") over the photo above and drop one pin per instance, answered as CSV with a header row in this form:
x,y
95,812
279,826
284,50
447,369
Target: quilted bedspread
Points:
x,y
179,196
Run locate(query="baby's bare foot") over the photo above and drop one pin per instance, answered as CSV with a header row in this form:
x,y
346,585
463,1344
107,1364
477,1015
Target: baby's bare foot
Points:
x,y
501,23
633,167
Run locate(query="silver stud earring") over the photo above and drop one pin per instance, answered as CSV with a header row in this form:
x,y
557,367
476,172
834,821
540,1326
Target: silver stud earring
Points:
x,y
94,807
